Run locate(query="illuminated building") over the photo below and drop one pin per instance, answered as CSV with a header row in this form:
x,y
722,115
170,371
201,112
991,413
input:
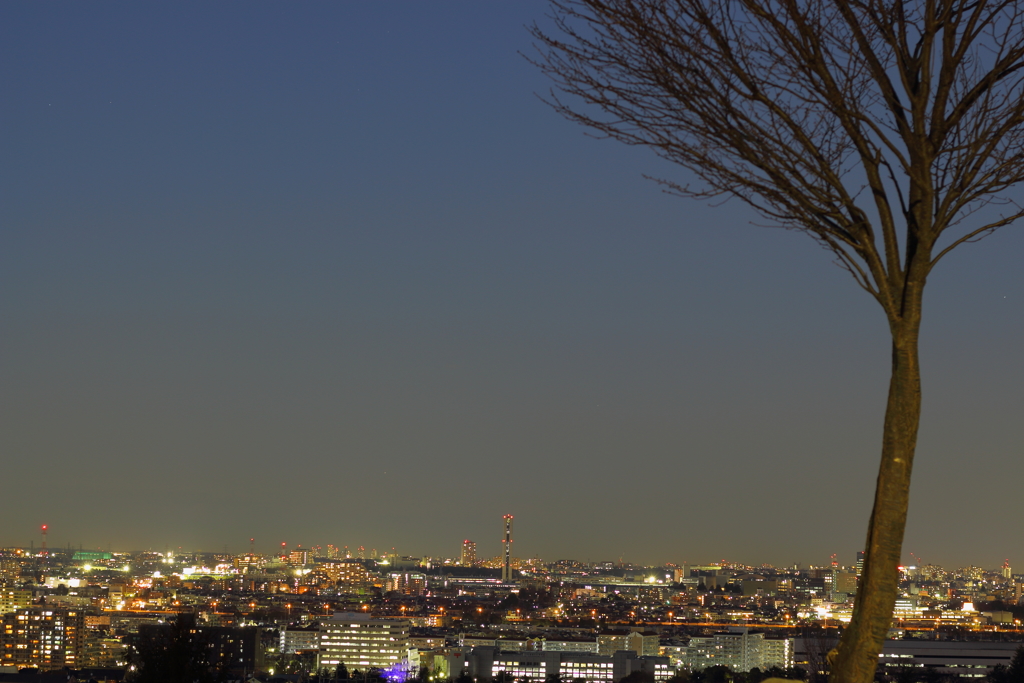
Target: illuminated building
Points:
x,y
644,643
41,637
298,557
506,568
295,638
777,652
468,553
740,649
406,583
350,575
10,570
100,651
92,556
960,660
248,563
12,599
503,643
489,662
360,641
570,645
844,583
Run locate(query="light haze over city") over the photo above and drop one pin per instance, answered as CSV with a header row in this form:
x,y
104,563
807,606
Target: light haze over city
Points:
x,y
333,273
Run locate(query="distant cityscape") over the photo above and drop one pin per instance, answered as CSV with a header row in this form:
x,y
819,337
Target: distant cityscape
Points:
x,y
340,612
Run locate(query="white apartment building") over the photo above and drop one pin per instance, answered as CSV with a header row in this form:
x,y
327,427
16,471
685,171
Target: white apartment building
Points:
x,y
740,650
296,638
359,641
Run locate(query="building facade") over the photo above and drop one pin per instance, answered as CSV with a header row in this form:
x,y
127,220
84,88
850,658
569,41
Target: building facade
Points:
x,y
468,558
13,599
359,641
488,663
41,637
643,643
740,649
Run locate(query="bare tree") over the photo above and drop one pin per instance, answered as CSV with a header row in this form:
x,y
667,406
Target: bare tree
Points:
x,y
888,130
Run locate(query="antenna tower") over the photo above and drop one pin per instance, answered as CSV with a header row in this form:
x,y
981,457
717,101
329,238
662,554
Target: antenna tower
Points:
x,y
506,568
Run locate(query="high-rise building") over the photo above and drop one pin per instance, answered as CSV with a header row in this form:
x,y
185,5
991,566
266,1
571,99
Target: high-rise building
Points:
x,y
13,599
468,553
360,641
506,568
860,562
41,637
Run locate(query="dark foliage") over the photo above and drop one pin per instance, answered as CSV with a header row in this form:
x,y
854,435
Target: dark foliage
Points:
x,y
177,654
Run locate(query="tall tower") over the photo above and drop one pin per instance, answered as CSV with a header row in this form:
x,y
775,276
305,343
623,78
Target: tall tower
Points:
x,y
43,550
506,568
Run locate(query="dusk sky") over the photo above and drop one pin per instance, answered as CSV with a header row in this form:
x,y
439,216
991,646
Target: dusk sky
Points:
x,y
331,272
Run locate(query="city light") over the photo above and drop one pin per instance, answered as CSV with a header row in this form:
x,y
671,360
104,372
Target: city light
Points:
x,y
226,591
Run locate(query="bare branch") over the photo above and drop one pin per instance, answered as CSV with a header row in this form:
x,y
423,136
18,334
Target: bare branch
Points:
x,y
881,128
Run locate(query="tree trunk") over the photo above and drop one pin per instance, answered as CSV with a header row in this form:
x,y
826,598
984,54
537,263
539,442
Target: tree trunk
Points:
x,y
856,657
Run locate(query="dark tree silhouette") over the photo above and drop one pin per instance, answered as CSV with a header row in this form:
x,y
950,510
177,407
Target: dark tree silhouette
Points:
x,y
1014,673
638,677
890,131
175,654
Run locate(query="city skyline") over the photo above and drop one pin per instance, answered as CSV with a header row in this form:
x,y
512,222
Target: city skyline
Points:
x,y
463,549
337,269
303,611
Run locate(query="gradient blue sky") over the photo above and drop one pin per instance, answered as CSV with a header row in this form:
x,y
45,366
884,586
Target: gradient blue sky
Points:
x,y
332,273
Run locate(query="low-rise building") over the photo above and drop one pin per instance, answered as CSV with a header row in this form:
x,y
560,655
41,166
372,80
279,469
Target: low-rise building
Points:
x,y
570,645
643,643
489,663
740,649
